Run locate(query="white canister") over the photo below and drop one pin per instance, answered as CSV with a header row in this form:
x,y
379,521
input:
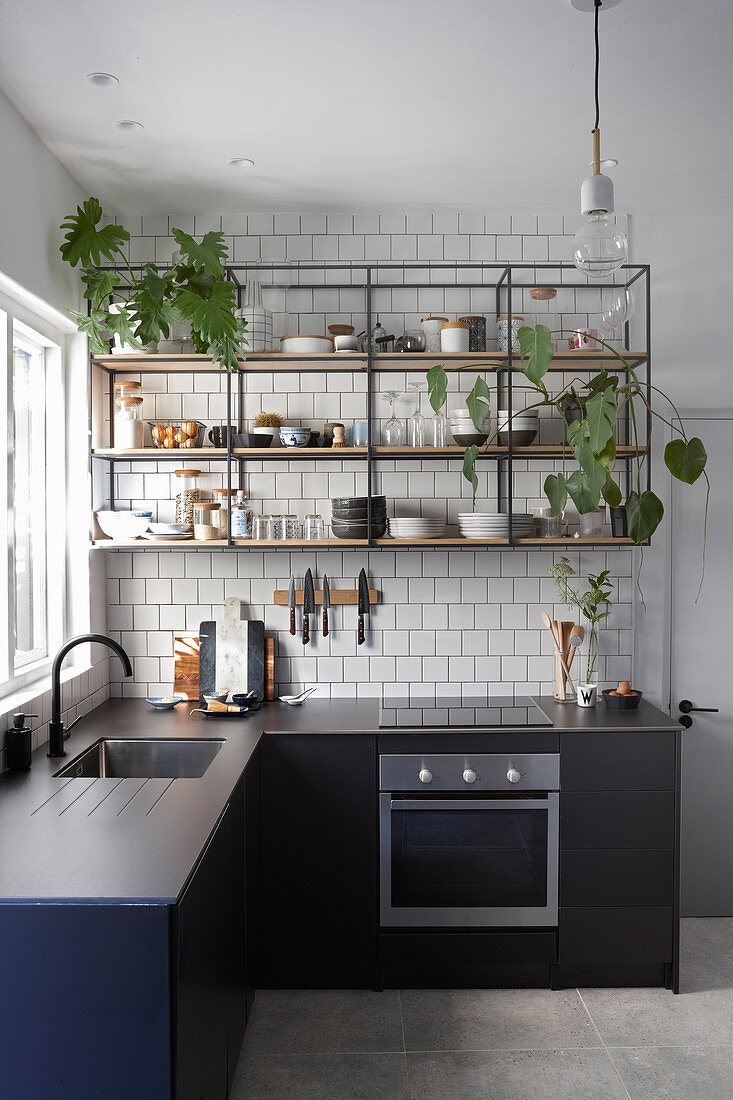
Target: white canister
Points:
x,y
431,326
502,333
586,694
454,336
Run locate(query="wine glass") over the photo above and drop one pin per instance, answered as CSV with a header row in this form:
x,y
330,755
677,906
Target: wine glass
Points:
x,y
417,420
393,431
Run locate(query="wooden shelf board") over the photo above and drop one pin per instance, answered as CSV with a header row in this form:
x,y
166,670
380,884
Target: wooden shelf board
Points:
x,y
296,454
345,544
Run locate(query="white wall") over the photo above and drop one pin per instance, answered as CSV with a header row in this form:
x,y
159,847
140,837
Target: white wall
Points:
x,y
692,296
36,194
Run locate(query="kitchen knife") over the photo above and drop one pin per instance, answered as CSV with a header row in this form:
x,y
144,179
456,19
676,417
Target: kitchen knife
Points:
x,y
309,605
326,605
291,603
363,606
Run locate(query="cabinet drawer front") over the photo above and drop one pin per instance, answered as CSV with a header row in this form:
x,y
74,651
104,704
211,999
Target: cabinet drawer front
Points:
x,y
616,877
467,947
599,936
617,761
617,819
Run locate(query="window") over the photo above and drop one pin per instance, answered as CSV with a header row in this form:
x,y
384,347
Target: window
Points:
x,y
32,477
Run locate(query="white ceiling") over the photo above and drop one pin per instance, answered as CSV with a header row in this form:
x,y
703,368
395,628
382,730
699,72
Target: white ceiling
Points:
x,y
378,104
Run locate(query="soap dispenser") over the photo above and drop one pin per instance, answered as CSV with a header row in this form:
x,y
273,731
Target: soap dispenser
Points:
x,y
18,742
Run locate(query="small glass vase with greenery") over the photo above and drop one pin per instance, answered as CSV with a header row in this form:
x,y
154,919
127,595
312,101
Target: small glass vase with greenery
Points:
x,y
589,603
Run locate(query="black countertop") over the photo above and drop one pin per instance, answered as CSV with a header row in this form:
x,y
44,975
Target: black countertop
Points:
x,y
137,841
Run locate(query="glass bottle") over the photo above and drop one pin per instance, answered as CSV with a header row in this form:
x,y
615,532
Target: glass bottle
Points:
x,y
440,430
241,518
378,333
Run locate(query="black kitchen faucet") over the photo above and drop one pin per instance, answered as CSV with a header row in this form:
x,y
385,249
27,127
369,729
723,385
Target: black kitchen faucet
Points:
x,y
56,732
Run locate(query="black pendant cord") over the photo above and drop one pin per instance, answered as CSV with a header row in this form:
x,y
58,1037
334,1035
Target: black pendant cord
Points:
x,y
598,61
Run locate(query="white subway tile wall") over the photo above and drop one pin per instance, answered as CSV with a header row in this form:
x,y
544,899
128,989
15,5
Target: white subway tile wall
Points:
x,y
445,616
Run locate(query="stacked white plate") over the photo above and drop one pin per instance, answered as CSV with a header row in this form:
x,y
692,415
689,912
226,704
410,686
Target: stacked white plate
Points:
x,y
416,527
494,525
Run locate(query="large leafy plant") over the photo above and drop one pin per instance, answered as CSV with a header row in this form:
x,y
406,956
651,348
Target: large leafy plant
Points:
x,y
194,290
591,440
593,604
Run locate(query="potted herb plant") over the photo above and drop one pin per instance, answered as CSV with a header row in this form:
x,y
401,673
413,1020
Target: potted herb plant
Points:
x,y
590,604
268,424
194,290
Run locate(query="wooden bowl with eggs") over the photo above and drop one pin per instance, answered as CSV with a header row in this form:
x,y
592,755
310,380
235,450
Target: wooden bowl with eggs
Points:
x,y
623,697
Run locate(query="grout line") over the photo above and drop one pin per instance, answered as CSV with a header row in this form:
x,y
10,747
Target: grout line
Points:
x,y
616,1070
404,1044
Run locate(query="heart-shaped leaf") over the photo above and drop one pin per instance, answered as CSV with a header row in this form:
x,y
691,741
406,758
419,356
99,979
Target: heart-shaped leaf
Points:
x,y
584,487
685,461
535,345
478,403
611,492
469,471
600,412
85,242
437,386
556,492
644,513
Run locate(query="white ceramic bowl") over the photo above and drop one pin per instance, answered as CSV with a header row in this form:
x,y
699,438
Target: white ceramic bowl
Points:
x,y
123,525
307,345
168,528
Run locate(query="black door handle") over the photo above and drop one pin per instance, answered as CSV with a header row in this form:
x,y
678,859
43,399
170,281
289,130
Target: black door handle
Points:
x,y
685,721
686,706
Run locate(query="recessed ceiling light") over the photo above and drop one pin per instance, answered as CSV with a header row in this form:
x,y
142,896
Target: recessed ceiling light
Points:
x,y
609,163
590,5
241,162
128,124
102,80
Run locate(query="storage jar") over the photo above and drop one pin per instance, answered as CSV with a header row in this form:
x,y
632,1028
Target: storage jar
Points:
x,y
502,333
129,427
476,331
187,496
454,336
205,520
431,327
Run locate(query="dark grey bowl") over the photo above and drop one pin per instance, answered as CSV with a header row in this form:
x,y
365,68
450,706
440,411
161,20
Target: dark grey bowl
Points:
x,y
349,514
470,438
352,502
520,438
621,702
359,530
251,439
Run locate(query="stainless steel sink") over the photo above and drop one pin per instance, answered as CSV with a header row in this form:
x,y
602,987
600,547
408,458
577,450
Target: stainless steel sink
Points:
x,y
143,759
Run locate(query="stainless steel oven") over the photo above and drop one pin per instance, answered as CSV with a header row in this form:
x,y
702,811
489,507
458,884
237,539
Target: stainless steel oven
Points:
x,y
469,840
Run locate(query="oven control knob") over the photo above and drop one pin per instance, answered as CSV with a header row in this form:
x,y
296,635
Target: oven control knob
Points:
x,y
425,775
469,775
513,775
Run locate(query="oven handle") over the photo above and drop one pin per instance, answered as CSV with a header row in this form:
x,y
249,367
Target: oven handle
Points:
x,y
469,804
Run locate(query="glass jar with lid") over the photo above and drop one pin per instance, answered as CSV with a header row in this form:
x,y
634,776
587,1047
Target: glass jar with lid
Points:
x,y
220,495
128,426
205,520
187,496
241,517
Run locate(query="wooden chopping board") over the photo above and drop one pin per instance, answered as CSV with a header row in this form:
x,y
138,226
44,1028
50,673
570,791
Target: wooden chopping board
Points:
x,y
186,666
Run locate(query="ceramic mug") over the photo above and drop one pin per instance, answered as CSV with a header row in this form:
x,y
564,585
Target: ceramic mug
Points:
x,y
586,696
583,339
218,435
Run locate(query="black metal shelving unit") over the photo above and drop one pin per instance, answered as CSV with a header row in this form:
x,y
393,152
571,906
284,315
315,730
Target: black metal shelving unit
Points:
x,y
507,280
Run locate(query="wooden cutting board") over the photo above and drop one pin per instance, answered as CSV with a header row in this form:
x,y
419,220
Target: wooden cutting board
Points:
x,y
186,666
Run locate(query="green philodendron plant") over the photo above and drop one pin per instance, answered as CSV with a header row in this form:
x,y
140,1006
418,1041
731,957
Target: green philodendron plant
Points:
x,y
194,290
589,603
592,438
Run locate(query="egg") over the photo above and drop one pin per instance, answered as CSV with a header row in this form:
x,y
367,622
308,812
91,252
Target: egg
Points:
x,y
624,688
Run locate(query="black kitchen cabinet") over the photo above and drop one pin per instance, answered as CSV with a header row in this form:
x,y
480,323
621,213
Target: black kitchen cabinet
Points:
x,y
318,859
619,859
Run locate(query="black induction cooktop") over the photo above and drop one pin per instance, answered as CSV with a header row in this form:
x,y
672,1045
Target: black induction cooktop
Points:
x,y
424,710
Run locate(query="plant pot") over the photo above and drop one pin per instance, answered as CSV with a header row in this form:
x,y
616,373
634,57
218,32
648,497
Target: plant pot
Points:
x,y
572,412
619,526
587,694
274,433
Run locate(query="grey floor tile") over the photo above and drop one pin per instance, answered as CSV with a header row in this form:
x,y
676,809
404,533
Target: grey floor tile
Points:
x,y
321,1077
514,1075
487,1019
324,1022
719,930
656,1017
676,1073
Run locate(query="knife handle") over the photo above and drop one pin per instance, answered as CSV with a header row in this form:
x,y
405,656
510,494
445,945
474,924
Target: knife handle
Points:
x,y
325,623
306,629
360,631
292,620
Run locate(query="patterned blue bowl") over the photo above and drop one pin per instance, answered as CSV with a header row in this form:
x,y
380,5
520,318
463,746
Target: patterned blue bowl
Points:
x,y
295,437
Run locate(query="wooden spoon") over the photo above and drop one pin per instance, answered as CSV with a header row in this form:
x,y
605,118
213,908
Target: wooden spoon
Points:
x,y
552,626
577,636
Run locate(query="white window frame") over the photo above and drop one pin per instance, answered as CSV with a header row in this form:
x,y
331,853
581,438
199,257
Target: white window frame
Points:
x,y
33,329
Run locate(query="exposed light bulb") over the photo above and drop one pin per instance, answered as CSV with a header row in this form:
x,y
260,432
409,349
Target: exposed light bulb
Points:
x,y
599,247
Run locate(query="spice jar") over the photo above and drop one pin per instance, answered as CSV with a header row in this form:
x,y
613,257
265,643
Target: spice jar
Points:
x,y
241,518
129,427
187,497
205,520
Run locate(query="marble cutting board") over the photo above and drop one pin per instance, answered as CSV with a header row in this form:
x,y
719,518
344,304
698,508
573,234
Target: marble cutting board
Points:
x,y
232,652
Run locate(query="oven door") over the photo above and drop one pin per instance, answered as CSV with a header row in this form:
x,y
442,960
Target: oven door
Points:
x,y
468,862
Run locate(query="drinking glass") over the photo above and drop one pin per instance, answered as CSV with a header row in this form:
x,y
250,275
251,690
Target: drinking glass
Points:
x,y
417,420
277,527
440,430
291,527
393,431
314,528
261,526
